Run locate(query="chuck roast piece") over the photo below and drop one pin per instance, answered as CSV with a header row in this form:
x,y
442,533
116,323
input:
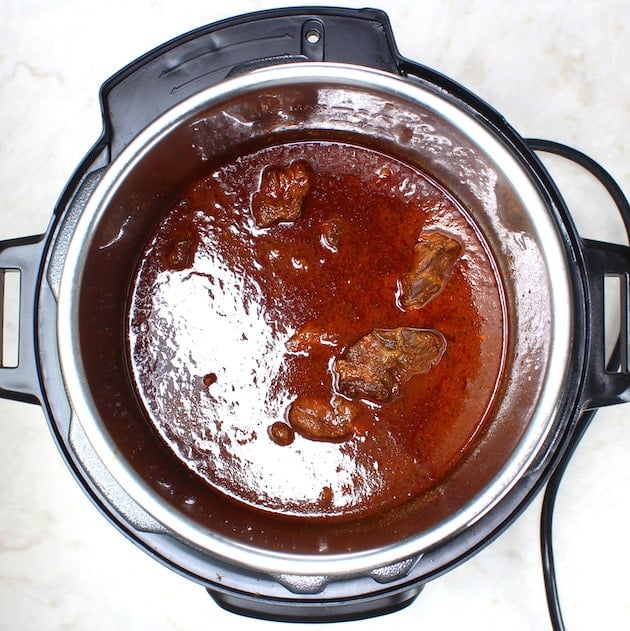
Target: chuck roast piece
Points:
x,y
382,361
318,419
281,194
433,259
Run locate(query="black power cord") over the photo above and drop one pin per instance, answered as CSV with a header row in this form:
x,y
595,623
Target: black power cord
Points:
x,y
546,522
584,420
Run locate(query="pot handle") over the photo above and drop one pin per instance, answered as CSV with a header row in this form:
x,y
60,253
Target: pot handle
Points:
x,y
315,610
157,81
18,379
607,380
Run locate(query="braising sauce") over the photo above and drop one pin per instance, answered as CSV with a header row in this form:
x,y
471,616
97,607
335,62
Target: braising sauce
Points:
x,y
317,330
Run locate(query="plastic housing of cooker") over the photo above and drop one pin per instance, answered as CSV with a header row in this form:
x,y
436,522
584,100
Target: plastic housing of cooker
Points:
x,y
167,76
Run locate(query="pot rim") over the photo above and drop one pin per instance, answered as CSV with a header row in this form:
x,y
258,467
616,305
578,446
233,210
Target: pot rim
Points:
x,y
272,562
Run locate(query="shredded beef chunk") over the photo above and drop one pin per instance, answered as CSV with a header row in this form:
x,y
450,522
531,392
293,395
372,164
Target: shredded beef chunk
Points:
x,y
317,419
433,260
281,194
382,361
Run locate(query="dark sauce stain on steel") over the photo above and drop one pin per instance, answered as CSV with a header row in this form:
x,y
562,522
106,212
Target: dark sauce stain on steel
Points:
x,y
231,323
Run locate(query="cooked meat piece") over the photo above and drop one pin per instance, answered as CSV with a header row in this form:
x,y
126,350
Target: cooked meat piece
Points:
x,y
382,361
281,433
209,379
433,260
281,194
308,337
322,420
181,251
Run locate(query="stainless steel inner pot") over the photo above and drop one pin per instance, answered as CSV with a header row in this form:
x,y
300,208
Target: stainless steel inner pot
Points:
x,y
98,244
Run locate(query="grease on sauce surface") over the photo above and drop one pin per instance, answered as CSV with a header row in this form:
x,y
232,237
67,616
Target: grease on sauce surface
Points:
x,y
235,326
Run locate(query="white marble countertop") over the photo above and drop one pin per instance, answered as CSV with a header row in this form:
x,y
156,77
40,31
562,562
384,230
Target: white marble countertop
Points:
x,y
555,69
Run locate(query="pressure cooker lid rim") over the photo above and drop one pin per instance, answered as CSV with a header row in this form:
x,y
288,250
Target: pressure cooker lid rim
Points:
x,y
85,410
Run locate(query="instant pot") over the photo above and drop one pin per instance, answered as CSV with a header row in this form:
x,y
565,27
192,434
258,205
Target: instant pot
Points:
x,y
268,78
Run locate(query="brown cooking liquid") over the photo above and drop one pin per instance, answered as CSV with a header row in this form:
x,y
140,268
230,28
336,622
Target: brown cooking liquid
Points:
x,y
233,323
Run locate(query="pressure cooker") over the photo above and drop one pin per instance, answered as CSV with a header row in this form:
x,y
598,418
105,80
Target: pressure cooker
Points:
x,y
326,72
